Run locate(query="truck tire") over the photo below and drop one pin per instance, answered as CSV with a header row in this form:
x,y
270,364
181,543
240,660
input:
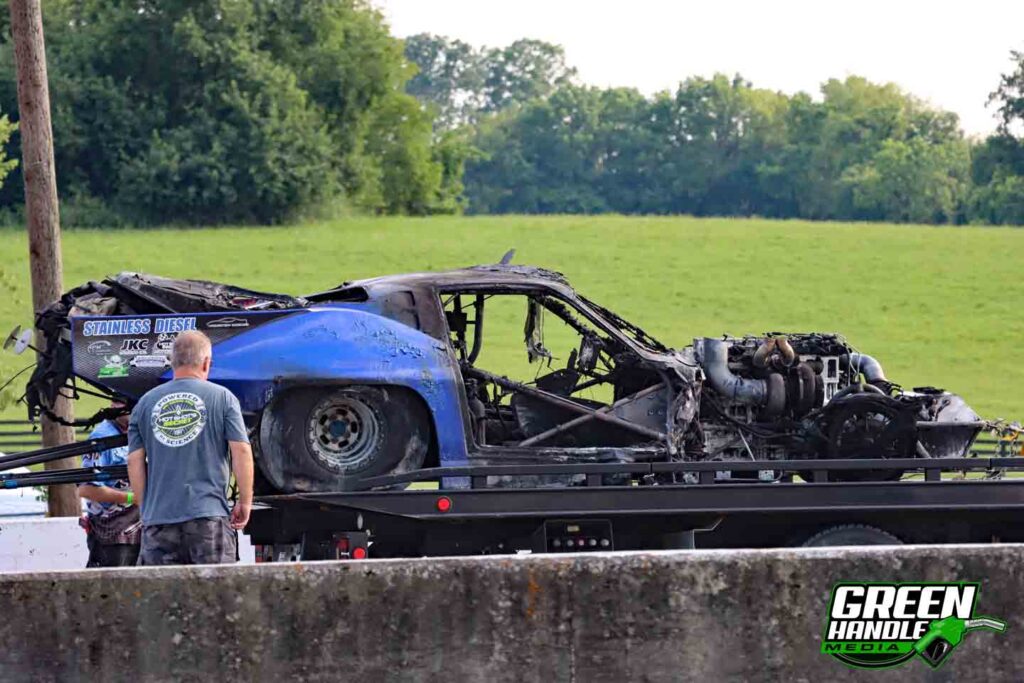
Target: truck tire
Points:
x,y
328,438
850,534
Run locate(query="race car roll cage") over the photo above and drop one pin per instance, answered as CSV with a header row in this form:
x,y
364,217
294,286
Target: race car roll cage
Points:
x,y
539,299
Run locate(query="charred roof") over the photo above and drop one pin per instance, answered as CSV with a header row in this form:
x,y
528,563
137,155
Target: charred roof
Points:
x,y
494,275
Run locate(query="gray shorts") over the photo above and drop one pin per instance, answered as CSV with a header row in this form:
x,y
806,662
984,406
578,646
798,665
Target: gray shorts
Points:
x,y
207,540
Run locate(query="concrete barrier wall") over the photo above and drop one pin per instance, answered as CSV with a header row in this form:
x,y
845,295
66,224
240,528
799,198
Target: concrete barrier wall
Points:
x,y
673,616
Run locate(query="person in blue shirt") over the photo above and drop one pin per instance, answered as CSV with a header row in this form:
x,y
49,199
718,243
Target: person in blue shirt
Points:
x,y
185,439
112,523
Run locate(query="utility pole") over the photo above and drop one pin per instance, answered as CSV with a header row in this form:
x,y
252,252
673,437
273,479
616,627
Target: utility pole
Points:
x,y
41,211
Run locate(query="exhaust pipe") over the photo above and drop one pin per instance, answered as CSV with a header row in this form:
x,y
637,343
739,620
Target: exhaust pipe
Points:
x,y
780,344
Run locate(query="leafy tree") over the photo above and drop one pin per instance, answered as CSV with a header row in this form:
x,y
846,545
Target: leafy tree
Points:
x,y
1010,95
857,118
1000,201
8,161
6,130
355,72
787,176
255,110
450,78
627,154
719,146
524,71
239,139
911,181
461,82
452,151
721,129
998,153
232,110
409,177
542,159
997,164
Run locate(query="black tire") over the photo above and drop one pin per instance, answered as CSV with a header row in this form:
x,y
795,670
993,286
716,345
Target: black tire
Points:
x,y
850,534
869,427
328,438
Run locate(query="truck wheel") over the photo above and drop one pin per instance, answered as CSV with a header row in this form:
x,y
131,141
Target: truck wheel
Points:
x,y
851,534
869,427
328,438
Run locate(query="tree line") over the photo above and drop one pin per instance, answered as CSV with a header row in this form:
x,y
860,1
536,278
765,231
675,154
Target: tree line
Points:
x,y
219,111
543,143
215,111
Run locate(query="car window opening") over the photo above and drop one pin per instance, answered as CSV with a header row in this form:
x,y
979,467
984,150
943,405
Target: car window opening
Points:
x,y
573,387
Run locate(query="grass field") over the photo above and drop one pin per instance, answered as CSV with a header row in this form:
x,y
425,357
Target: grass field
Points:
x,y
939,306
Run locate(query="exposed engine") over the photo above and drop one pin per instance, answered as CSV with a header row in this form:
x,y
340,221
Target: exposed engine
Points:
x,y
781,396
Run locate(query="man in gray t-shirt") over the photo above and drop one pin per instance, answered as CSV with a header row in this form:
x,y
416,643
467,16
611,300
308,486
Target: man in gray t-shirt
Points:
x,y
184,438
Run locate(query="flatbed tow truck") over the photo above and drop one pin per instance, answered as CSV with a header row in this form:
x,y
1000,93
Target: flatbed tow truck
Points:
x,y
948,500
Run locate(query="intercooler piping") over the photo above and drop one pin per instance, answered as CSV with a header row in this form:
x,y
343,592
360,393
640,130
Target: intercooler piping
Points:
x,y
865,365
715,363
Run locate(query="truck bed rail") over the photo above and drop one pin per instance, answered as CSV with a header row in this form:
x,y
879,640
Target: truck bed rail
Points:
x,y
694,500
705,471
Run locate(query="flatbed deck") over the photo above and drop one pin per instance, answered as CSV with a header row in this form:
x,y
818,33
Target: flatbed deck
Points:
x,y
709,512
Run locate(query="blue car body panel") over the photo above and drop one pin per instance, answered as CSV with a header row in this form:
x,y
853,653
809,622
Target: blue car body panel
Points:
x,y
266,352
327,343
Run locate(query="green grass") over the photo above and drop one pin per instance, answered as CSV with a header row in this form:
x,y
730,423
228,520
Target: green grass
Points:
x,y
938,306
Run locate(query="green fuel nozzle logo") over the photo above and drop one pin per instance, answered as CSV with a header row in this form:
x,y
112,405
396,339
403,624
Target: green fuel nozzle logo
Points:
x,y
945,634
883,625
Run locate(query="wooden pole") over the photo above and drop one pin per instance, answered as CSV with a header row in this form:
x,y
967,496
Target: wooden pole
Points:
x,y
41,211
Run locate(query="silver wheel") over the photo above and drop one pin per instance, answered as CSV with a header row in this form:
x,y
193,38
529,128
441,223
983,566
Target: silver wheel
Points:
x,y
330,438
344,432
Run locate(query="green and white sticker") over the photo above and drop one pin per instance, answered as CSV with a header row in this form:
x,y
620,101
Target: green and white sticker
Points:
x,y
883,625
115,366
178,418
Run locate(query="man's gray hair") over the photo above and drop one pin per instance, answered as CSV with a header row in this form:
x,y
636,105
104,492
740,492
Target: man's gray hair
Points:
x,y
190,349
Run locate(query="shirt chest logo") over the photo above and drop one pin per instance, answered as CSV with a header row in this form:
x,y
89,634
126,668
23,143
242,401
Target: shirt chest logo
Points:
x,y
178,418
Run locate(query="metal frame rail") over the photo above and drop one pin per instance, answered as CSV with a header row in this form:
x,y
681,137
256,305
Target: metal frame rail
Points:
x,y
607,495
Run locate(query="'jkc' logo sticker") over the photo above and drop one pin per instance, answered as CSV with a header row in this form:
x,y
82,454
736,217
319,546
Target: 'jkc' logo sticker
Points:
x,y
178,418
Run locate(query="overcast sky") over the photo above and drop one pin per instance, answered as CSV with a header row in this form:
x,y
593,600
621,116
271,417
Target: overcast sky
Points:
x,y
950,53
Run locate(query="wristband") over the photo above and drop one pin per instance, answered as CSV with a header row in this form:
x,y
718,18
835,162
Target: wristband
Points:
x,y
131,498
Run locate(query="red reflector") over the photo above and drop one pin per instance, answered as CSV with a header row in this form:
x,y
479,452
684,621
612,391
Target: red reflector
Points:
x,y
444,504
343,545
358,553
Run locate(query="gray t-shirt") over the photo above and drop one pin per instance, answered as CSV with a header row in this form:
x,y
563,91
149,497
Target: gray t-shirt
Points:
x,y
185,426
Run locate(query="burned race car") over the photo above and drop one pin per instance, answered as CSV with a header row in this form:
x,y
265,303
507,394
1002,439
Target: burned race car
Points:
x,y
488,365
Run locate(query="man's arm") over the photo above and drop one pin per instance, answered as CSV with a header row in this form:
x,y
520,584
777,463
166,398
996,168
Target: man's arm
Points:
x,y
104,494
136,458
137,473
99,492
241,465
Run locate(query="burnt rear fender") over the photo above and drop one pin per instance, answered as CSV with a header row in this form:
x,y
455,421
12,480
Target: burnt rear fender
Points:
x,y
339,344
